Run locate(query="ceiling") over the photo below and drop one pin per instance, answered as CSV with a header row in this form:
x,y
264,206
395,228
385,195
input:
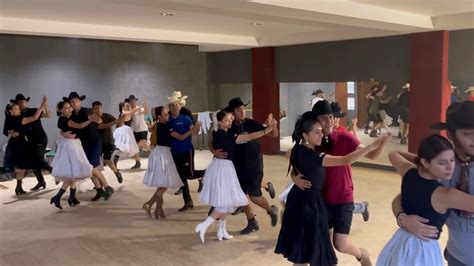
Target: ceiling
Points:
x,y
217,25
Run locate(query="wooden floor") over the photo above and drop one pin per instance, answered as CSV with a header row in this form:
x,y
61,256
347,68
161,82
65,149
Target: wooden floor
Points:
x,y
116,232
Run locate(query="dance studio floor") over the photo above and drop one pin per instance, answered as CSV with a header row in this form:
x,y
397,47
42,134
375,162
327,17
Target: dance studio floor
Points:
x,y
116,232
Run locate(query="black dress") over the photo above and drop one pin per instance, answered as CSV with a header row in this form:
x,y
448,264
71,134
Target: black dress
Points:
x,y
21,156
304,233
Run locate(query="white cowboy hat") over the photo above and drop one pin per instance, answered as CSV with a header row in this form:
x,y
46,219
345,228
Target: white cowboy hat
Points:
x,y
469,89
176,97
406,86
453,87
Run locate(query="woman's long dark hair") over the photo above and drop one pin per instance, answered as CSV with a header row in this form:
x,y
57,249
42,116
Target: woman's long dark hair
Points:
x,y
59,107
157,112
304,124
432,146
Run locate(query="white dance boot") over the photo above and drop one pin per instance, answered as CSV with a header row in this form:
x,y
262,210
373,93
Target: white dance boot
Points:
x,y
222,232
202,227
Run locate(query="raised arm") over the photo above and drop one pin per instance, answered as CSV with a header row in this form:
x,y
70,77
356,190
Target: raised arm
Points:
x,y
36,116
402,161
46,111
379,150
350,158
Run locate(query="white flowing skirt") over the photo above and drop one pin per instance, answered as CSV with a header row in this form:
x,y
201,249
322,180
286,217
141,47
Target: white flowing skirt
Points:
x,y
70,162
406,249
221,186
284,195
161,171
125,140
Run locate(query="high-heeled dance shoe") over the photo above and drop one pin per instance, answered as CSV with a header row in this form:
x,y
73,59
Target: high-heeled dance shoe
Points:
x,y
147,208
223,235
56,201
19,191
200,230
73,201
159,213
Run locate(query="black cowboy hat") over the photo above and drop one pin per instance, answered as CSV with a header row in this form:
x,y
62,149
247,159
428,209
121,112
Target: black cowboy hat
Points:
x,y
317,92
73,95
322,108
234,103
459,115
337,110
20,97
132,97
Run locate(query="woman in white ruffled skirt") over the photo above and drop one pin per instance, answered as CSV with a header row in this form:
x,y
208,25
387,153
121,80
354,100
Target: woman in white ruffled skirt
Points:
x,y
424,195
221,188
161,172
70,163
123,134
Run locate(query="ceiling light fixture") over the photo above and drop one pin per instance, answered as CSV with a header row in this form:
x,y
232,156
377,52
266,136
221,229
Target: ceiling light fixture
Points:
x,y
256,24
168,14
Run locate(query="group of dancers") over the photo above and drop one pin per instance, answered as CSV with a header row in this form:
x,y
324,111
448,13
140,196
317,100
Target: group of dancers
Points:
x,y
437,185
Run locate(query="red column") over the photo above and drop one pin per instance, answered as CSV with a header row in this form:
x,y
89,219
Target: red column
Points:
x,y
429,86
265,93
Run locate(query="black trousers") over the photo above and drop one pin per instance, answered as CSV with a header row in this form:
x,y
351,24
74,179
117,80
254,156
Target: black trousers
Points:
x,y
184,165
38,151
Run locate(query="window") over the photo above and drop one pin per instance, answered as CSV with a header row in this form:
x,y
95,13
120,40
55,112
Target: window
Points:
x,y
350,104
350,87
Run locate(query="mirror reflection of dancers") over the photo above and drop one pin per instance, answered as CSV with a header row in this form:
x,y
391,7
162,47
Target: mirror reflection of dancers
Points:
x,y
20,153
70,164
304,236
106,136
123,134
162,172
91,143
37,139
221,185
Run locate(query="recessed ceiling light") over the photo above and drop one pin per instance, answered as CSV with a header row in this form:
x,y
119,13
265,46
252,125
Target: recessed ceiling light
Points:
x,y
169,14
256,24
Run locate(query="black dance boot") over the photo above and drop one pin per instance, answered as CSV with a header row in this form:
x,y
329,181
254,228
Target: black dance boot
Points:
x,y
98,195
270,189
273,215
72,201
251,226
19,190
57,199
119,176
40,178
108,192
200,185
137,165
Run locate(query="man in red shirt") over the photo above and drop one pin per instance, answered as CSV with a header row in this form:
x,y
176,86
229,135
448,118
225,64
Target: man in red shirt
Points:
x,y
338,189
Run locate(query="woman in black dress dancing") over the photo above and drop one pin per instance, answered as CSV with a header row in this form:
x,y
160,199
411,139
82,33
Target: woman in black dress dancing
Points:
x,y
20,157
304,234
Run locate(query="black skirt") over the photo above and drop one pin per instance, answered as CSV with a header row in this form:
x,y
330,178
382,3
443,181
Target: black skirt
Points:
x,y
20,154
304,233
